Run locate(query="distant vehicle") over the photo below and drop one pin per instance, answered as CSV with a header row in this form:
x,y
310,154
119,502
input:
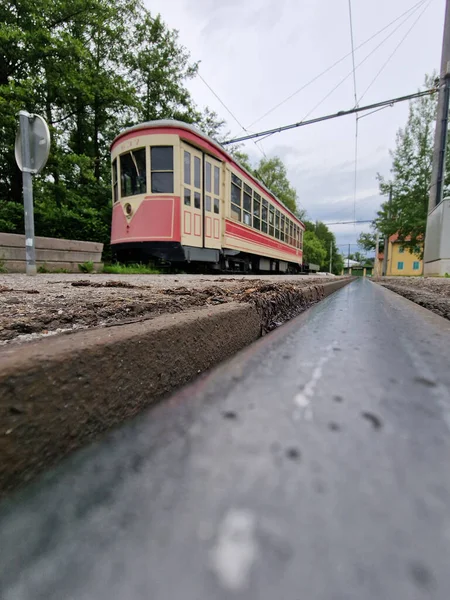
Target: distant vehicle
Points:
x,y
179,197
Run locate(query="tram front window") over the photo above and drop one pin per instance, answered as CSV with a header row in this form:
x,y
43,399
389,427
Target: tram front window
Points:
x,y
133,175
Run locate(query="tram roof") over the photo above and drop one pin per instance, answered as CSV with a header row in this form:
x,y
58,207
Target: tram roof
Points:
x,y
182,125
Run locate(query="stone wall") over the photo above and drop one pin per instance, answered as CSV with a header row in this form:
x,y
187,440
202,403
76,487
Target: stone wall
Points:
x,y
51,254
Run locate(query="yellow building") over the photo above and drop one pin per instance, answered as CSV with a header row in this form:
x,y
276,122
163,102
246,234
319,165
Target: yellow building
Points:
x,y
402,260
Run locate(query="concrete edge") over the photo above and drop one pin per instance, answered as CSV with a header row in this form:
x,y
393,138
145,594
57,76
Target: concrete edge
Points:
x,y
58,394
427,314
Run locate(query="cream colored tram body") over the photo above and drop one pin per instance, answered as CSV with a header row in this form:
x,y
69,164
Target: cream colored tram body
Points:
x,y
179,197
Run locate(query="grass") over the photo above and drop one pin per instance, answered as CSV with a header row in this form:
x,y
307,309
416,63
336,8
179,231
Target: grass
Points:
x,y
86,267
3,268
136,269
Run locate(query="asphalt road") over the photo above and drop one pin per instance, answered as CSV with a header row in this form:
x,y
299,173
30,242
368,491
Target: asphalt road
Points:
x,y
314,465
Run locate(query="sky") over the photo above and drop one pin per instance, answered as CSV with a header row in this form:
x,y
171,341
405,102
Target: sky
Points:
x,y
256,53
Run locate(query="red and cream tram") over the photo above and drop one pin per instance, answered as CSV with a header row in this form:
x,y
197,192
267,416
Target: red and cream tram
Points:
x,y
180,197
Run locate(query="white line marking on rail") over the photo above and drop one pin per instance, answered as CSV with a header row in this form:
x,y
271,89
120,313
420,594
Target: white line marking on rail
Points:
x,y
235,550
303,398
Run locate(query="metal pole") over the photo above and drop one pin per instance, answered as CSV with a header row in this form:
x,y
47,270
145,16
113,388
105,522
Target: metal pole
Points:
x,y
386,239
331,254
377,247
440,135
30,251
348,257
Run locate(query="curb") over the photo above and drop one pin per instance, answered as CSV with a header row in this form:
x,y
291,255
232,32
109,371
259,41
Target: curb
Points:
x,y
61,393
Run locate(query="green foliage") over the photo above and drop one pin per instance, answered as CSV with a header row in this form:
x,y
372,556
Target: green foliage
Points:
x,y
367,242
42,269
3,268
411,174
327,239
136,269
313,249
90,68
243,159
86,267
272,173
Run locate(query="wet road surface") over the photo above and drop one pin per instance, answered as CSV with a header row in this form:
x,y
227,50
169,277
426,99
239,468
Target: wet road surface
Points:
x,y
313,465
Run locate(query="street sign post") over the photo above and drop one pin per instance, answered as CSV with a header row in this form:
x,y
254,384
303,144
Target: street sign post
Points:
x,y
31,150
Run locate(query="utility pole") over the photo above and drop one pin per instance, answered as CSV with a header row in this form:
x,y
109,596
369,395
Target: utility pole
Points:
x,y
386,239
348,257
437,244
331,254
377,246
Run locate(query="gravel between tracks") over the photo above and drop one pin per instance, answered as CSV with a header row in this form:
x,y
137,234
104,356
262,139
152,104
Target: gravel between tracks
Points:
x,y
34,307
430,292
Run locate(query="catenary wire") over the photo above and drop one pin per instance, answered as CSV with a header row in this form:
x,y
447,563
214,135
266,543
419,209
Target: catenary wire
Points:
x,y
325,71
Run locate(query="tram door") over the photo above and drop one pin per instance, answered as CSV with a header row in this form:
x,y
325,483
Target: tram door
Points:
x,y
211,219
192,197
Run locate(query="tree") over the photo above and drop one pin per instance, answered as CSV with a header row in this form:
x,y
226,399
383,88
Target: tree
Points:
x,y
272,172
326,237
91,68
411,174
242,158
313,249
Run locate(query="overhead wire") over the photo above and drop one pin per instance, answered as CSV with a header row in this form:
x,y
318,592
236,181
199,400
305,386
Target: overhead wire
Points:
x,y
341,113
343,80
325,71
394,51
228,110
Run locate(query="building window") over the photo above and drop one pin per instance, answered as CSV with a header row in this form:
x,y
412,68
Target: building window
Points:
x,y
416,265
115,183
133,174
162,169
400,266
401,249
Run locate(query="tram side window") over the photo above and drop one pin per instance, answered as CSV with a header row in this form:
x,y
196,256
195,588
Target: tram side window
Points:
x,y
247,205
256,211
216,190
133,174
291,233
301,239
277,224
162,169
264,215
282,228
208,201
271,220
115,181
187,167
236,202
